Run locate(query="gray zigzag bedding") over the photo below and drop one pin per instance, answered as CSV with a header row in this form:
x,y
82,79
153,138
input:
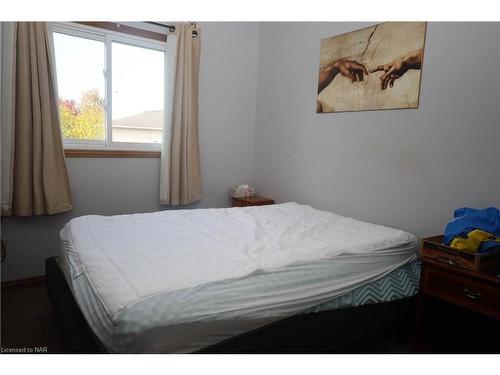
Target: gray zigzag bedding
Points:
x,y
401,283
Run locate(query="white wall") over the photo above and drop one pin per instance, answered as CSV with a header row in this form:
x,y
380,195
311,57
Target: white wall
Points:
x,y
228,80
404,168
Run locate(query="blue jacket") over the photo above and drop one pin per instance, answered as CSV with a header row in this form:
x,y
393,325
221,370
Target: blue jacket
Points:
x,y
467,219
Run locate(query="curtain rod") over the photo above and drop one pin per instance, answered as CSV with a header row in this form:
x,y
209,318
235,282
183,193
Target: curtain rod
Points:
x,y
170,28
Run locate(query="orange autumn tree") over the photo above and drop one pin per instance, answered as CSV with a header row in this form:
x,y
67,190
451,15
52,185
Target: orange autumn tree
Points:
x,y
83,120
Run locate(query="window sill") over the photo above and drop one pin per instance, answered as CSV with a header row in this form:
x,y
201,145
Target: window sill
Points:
x,y
75,153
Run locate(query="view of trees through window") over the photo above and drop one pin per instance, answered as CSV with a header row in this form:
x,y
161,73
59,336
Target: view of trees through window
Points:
x,y
132,87
83,119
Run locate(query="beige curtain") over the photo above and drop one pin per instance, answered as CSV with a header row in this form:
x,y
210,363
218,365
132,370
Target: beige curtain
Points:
x,y
180,177
7,90
40,179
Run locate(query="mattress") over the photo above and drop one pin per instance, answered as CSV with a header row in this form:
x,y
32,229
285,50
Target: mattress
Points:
x,y
180,280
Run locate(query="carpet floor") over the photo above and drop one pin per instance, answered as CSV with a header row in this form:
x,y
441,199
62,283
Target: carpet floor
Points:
x,y
28,321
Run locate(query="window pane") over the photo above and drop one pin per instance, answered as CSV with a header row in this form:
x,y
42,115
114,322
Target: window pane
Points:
x,y
138,85
80,81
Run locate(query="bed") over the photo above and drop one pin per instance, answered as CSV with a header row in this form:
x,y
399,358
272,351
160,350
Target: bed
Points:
x,y
180,281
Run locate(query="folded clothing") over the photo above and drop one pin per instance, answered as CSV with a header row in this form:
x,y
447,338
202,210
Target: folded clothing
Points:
x,y
474,231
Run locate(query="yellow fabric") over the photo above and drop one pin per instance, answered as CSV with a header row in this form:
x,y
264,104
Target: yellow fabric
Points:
x,y
472,242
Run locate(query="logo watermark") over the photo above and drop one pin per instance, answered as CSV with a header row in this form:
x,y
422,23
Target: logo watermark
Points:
x,y
24,349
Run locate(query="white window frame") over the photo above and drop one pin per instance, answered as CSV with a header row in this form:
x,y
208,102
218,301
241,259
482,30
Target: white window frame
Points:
x,y
108,37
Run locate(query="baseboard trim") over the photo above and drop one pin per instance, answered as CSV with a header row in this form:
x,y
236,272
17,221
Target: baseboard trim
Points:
x,y
29,281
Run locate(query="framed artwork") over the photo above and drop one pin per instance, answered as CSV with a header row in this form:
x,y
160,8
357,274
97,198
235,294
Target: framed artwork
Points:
x,y
378,67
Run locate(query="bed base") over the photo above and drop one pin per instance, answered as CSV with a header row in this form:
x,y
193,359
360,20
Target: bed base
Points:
x,y
373,328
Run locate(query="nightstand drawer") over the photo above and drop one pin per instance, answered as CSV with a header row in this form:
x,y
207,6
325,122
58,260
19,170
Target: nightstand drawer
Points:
x,y
463,290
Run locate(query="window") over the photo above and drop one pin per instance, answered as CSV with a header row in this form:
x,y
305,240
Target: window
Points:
x,y
111,88
137,76
80,65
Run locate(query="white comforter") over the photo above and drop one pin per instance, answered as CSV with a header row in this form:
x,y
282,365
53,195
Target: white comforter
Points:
x,y
179,266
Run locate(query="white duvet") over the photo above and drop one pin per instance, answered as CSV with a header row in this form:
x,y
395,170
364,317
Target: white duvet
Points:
x,y
132,273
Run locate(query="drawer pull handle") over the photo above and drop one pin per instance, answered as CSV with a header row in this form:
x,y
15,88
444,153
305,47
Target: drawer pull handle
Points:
x,y
446,260
471,293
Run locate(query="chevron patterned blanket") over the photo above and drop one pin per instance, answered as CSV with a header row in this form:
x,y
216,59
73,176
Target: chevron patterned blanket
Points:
x,y
401,283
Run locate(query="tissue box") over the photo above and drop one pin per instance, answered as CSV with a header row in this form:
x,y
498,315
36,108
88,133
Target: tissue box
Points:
x,y
242,191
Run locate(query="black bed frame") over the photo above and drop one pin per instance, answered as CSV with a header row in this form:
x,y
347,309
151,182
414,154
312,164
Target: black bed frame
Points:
x,y
373,328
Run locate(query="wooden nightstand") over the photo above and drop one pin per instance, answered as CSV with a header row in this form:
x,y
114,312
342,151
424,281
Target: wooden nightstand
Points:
x,y
251,201
442,279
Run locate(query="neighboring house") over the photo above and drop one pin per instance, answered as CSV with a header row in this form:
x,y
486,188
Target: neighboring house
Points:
x,y
142,127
